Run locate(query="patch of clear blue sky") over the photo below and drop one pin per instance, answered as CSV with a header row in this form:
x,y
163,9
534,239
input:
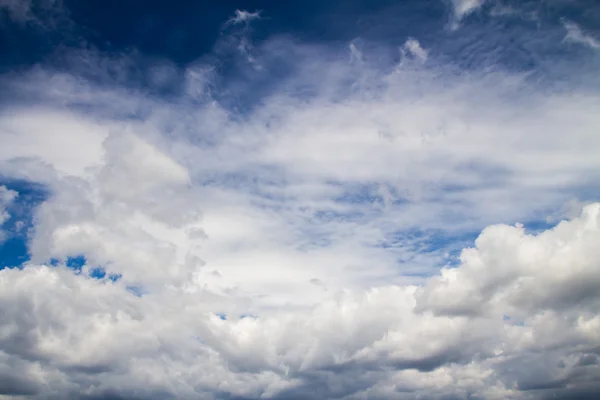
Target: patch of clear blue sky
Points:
x,y
14,251
428,241
137,291
224,317
79,263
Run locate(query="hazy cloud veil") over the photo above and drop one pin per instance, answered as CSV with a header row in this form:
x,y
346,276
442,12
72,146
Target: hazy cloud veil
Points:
x,y
300,201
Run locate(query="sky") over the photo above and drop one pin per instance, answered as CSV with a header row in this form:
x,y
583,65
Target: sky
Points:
x,y
299,199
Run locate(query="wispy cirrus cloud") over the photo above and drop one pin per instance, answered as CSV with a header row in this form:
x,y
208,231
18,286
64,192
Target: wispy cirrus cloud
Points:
x,y
17,10
243,16
39,13
576,35
462,8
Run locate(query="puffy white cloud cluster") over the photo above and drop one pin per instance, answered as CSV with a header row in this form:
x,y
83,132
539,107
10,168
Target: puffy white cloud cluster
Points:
x,y
510,272
516,319
135,213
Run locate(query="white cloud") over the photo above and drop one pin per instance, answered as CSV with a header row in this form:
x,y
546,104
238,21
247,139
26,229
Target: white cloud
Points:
x,y
134,214
243,17
32,135
355,54
576,35
511,272
465,7
462,8
6,198
530,12
413,47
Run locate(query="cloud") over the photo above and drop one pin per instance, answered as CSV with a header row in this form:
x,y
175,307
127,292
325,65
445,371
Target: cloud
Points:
x,y
355,54
462,8
243,17
240,38
124,215
576,35
551,270
6,198
31,135
18,10
40,13
413,47
525,11
465,7
318,227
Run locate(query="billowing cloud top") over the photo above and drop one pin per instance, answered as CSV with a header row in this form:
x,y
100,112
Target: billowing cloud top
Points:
x,y
300,201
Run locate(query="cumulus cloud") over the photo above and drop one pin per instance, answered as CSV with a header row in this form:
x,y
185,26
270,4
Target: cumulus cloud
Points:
x,y
509,271
137,193
72,334
349,232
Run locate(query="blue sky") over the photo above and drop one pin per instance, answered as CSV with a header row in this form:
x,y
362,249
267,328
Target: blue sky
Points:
x,y
402,194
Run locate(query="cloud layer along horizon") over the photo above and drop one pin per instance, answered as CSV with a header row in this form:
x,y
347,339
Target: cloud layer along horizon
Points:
x,y
337,201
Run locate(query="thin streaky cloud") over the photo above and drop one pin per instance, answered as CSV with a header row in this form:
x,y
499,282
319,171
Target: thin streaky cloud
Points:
x,y
576,35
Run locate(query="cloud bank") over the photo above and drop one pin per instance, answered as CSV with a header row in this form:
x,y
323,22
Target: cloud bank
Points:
x,y
289,219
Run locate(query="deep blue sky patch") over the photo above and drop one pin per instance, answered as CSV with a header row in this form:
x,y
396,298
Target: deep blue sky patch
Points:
x,y
13,251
